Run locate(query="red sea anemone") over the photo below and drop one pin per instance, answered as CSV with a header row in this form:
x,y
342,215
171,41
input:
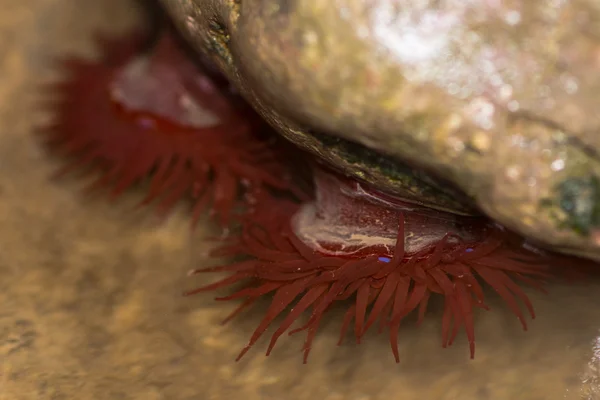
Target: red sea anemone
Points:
x,y
136,113
307,257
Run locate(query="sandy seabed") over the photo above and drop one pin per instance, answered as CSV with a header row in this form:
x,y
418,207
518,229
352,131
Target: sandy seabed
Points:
x,y
90,292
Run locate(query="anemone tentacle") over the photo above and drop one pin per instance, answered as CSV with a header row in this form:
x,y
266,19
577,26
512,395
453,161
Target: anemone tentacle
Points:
x,y
384,287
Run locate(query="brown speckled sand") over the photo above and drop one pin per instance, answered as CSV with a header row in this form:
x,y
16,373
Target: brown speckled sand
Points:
x,y
90,304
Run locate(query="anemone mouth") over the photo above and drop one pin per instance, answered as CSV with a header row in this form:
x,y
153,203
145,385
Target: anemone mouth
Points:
x,y
382,284
136,114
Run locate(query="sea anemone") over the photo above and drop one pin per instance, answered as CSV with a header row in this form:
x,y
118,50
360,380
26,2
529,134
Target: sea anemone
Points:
x,y
433,254
137,113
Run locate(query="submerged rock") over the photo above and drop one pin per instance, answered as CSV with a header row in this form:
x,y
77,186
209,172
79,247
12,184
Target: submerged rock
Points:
x,y
458,105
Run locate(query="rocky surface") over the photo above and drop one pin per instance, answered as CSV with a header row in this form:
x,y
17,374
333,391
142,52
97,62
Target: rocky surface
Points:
x,y
498,97
90,293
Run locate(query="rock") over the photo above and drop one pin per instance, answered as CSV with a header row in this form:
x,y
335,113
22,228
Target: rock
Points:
x,y
497,98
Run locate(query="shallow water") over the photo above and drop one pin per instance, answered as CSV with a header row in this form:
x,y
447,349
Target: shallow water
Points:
x,y
91,302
